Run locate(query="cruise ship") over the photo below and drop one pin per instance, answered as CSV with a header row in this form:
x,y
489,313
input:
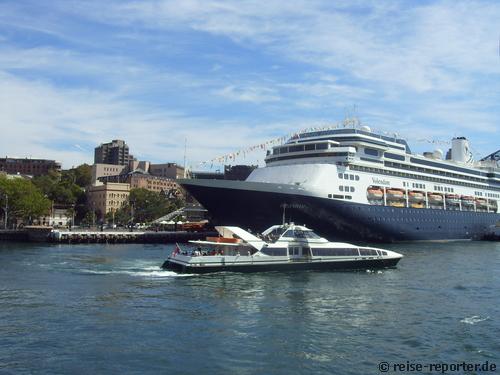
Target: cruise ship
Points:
x,y
355,184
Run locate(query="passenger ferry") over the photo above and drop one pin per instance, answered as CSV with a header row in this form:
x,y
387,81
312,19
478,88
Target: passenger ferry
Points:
x,y
355,184
284,247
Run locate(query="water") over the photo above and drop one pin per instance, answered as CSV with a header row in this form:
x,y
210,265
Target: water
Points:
x,y
71,309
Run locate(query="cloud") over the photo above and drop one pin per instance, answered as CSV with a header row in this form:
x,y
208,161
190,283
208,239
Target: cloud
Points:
x,y
156,72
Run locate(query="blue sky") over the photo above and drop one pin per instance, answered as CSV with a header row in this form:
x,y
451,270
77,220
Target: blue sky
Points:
x,y
227,75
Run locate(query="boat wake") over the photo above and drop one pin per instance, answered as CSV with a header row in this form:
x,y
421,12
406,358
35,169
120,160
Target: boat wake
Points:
x,y
154,272
474,319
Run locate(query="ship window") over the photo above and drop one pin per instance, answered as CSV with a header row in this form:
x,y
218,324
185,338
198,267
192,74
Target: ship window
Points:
x,y
289,233
309,147
341,188
352,189
283,150
346,176
371,151
351,177
357,178
329,195
340,175
321,146
296,148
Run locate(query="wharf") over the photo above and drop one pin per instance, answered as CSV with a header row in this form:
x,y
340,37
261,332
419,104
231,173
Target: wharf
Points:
x,y
124,237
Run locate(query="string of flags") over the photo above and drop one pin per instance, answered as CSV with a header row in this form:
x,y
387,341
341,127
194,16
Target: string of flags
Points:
x,y
350,122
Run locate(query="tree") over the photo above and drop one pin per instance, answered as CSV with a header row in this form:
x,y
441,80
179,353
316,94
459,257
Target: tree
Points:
x,y
26,201
146,206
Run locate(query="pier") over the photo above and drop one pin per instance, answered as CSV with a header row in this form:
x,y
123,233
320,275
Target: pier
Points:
x,y
67,236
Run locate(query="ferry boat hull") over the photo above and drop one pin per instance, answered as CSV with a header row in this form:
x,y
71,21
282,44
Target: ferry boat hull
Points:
x,y
313,265
258,205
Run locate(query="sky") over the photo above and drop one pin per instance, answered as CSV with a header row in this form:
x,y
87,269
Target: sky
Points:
x,y
221,76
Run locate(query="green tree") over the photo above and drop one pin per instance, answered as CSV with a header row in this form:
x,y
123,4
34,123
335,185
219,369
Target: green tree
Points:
x,y
146,206
25,200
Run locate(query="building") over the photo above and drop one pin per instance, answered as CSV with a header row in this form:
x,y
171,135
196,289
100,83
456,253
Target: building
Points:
x,y
168,170
103,170
141,180
106,198
28,166
115,152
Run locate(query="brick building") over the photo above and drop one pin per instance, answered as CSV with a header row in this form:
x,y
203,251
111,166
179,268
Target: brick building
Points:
x,y
28,166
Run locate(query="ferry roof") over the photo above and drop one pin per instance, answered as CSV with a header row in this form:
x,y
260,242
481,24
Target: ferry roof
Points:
x,y
237,232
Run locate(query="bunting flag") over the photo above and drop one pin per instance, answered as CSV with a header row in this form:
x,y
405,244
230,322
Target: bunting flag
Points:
x,y
350,122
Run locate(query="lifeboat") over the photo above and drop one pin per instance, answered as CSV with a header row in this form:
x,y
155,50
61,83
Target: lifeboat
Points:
x,y
481,202
435,198
396,204
375,193
493,206
416,196
417,205
468,201
453,199
395,194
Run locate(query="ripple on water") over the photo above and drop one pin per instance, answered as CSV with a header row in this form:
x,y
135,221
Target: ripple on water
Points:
x,y
474,319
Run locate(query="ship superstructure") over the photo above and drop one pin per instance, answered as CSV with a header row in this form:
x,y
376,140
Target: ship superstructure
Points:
x,y
355,183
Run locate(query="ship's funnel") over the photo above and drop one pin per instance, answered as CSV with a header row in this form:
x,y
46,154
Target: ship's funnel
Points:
x,y
460,151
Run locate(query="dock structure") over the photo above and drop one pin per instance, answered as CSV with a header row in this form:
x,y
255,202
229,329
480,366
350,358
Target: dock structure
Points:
x,y
66,236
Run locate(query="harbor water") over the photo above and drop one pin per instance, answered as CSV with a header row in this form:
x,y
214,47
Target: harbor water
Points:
x,y
97,308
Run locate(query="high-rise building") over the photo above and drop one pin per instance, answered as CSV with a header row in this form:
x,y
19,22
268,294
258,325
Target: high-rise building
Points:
x,y
115,152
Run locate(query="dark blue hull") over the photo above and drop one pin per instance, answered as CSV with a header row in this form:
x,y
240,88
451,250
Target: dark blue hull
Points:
x,y
337,219
292,266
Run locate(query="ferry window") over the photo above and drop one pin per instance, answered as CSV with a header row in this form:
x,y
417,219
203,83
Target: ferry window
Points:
x,y
289,233
299,233
274,252
357,178
351,177
352,189
340,175
371,151
348,197
309,147
329,195
341,188
346,176
311,234
283,150
321,146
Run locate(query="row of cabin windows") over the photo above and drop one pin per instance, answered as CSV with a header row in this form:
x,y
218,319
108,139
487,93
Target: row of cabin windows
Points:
x,y
492,195
325,252
337,196
413,176
414,185
347,189
478,193
347,176
432,171
444,188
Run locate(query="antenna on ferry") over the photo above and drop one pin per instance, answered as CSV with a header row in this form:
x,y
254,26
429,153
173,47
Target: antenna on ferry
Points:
x,y
185,148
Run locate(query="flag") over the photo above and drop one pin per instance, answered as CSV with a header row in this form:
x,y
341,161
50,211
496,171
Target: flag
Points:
x,y
176,251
